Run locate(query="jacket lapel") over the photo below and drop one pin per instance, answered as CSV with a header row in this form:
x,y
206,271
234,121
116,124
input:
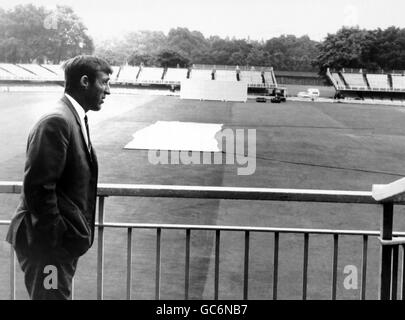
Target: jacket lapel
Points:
x,y
66,101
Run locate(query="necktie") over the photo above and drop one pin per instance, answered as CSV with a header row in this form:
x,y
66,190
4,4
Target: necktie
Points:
x,y
88,133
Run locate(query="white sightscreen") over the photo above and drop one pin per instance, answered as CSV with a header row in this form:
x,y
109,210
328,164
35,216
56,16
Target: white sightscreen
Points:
x,y
214,90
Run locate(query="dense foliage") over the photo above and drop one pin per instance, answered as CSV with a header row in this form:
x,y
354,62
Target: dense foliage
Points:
x,y
29,33
34,34
358,48
183,47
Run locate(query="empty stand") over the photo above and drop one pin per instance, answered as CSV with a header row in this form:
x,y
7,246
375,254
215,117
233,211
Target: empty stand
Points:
x,y
251,77
398,82
269,78
175,75
225,75
114,75
55,68
128,74
378,81
336,77
150,75
355,80
18,72
41,72
200,74
5,75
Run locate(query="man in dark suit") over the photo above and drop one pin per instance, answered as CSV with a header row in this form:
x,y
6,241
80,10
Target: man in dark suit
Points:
x,y
54,222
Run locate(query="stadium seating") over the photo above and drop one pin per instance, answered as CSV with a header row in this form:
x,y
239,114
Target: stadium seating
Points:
x,y
339,82
378,81
128,74
175,75
55,68
251,77
398,82
200,74
41,72
268,78
225,75
5,75
18,72
115,73
355,80
150,75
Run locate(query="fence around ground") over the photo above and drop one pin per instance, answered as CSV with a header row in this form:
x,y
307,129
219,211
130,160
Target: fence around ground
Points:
x,y
385,196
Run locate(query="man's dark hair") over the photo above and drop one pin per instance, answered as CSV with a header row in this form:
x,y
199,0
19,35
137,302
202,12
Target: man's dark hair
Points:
x,y
83,65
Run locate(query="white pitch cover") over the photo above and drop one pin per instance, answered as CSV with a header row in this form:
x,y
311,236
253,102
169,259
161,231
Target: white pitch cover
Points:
x,y
179,136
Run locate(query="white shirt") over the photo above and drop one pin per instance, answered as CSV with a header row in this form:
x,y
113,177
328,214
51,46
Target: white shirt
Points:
x,y
82,114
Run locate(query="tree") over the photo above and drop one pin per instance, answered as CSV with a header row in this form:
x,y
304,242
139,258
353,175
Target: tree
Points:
x,y
138,58
23,36
348,48
169,58
288,52
70,37
186,43
29,33
388,49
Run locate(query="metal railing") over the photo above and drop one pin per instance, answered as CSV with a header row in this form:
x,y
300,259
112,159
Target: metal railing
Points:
x,y
389,248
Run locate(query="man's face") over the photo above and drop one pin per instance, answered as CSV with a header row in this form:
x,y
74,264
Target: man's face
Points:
x,y
97,91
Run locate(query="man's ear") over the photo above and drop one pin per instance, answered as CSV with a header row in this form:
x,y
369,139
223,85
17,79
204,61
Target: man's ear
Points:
x,y
84,81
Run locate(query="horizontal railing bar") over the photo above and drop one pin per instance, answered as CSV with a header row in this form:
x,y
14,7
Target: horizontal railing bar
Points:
x,y
229,193
236,193
252,229
236,228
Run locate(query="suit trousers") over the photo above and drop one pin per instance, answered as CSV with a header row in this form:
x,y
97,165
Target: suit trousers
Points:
x,y
48,274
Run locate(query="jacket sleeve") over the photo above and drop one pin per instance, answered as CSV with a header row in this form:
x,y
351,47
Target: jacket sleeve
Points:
x,y
46,157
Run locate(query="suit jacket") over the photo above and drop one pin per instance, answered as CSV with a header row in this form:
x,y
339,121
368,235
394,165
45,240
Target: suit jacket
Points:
x,y
58,198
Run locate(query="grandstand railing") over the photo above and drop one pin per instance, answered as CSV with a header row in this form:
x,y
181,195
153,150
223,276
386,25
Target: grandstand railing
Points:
x,y
389,246
233,68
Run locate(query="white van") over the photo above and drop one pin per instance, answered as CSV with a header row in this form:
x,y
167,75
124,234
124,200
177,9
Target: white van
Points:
x,y
310,93
313,92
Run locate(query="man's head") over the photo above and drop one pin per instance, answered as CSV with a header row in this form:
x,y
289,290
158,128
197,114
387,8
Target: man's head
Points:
x,y
87,80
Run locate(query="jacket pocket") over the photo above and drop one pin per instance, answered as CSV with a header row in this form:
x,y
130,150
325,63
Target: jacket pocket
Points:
x,y
77,237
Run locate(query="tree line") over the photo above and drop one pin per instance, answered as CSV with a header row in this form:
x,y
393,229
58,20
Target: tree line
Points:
x,y
374,50
184,47
29,33
34,34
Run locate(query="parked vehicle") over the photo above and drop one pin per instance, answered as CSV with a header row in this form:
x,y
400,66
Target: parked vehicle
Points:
x,y
261,99
311,93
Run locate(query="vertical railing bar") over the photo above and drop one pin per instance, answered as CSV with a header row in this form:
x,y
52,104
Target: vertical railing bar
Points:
x,y
305,267
100,251
364,268
394,281
275,265
158,261
73,289
335,265
12,273
403,273
246,267
217,245
129,263
386,251
187,267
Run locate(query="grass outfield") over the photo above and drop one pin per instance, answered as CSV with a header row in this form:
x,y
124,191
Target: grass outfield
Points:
x,y
301,145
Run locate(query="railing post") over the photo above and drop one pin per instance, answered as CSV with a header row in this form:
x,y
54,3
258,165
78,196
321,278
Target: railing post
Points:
x,y
129,263
158,263
187,265
100,250
386,250
12,273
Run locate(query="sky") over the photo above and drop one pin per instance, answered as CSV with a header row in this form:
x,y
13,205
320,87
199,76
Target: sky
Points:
x,y
254,19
